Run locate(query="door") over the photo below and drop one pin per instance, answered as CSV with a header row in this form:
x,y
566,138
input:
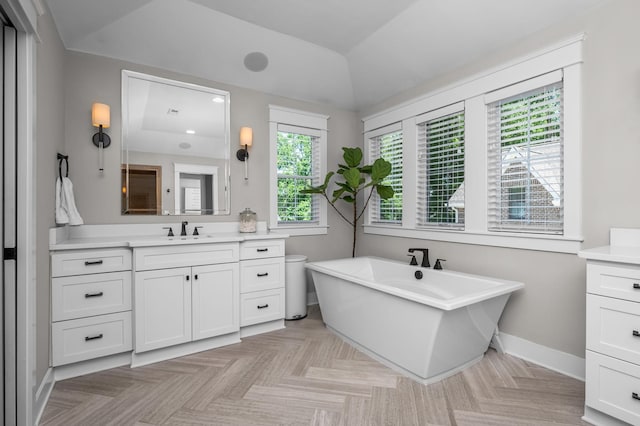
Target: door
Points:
x,y
162,308
215,295
8,270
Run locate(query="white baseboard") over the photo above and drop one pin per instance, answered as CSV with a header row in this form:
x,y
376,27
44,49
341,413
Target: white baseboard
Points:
x,y
42,395
312,299
553,359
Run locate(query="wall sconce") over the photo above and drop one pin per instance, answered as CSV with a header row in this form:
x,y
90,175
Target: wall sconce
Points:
x,y
101,118
246,140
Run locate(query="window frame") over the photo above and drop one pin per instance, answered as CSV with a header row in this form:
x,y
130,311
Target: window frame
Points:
x,y
317,124
563,59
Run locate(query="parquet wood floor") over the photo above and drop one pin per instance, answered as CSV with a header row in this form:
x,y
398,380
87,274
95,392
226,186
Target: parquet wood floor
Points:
x,y
305,375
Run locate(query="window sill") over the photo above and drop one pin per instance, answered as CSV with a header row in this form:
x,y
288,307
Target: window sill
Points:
x,y
550,243
300,230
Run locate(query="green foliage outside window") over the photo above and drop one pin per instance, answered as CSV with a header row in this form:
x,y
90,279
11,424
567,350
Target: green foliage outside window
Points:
x,y
294,166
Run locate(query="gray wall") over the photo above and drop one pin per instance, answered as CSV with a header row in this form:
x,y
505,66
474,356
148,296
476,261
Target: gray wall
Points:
x,y
551,309
49,140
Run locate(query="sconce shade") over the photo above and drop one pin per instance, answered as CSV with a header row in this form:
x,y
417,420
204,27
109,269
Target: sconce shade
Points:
x,y
101,115
246,136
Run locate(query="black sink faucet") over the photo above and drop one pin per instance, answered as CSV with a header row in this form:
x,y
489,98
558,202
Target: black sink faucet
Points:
x,y
425,257
184,229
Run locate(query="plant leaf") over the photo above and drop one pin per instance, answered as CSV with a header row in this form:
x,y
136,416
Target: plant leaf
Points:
x,y
349,199
352,156
366,169
337,193
352,176
384,191
380,169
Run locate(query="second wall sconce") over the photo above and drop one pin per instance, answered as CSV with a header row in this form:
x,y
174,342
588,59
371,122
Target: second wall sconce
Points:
x,y
101,118
246,140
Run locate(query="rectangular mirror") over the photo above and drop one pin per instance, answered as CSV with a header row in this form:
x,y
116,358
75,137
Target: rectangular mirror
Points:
x,y
175,147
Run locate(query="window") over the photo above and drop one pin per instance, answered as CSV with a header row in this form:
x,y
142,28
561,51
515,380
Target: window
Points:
x,y
525,165
298,152
493,159
387,146
297,171
441,171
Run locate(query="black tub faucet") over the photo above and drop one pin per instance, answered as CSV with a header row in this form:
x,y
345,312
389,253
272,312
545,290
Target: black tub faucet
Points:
x,y
184,229
425,257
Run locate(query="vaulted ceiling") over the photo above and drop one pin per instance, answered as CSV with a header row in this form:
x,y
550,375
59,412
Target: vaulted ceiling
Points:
x,y
348,53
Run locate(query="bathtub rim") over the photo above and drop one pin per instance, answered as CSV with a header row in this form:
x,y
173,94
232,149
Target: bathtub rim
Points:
x,y
500,286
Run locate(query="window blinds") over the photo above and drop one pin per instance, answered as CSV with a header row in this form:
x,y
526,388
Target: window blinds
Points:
x,y
525,164
298,165
440,188
389,147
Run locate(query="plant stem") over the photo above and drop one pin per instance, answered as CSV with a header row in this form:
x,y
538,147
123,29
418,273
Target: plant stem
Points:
x,y
355,227
365,204
336,209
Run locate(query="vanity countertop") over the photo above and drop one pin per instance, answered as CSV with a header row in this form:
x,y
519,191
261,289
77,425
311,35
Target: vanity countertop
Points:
x,y
103,241
624,247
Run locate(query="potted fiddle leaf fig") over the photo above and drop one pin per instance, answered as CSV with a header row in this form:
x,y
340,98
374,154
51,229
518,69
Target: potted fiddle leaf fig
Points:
x,y
351,179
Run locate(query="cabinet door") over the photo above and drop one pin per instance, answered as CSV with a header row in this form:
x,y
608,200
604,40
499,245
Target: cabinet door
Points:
x,y
215,300
162,308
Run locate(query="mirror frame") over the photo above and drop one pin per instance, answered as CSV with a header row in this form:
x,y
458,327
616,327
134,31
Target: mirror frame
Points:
x,y
223,178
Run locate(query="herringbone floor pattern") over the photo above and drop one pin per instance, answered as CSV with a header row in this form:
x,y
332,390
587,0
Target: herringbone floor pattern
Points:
x,y
305,375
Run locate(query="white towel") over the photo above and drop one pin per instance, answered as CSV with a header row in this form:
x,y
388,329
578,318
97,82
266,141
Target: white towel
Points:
x,y
66,210
62,218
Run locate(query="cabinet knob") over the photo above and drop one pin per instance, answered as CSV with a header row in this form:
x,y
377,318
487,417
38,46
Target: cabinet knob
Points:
x,y
635,395
195,277
96,294
262,250
92,262
266,305
187,277
636,286
263,274
636,333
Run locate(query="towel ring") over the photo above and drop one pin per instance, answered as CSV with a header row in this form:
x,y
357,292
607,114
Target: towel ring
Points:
x,y
62,158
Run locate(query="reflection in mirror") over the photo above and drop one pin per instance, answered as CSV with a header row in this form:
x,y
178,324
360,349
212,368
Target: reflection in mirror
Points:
x,y
175,147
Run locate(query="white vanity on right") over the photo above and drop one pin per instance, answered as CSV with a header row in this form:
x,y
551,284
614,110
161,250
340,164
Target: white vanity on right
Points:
x,y
612,358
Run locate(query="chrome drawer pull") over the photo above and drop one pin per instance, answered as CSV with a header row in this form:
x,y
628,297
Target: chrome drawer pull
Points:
x,y
635,395
262,250
97,336
97,294
636,286
636,333
264,274
93,262
266,305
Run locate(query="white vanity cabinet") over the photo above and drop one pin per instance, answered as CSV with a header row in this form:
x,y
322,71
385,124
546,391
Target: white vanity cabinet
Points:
x,y
90,304
262,289
612,358
185,293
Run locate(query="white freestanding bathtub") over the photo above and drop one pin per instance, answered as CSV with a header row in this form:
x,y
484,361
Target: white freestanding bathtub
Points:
x,y
428,328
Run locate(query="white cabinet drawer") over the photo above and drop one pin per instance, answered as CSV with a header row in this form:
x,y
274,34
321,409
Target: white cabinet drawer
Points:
x,y
614,281
261,274
90,262
261,306
86,338
89,295
261,249
613,327
184,255
613,387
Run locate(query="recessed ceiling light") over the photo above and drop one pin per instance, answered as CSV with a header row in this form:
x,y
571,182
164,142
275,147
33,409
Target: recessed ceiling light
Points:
x,y
185,145
191,132
256,61
218,100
